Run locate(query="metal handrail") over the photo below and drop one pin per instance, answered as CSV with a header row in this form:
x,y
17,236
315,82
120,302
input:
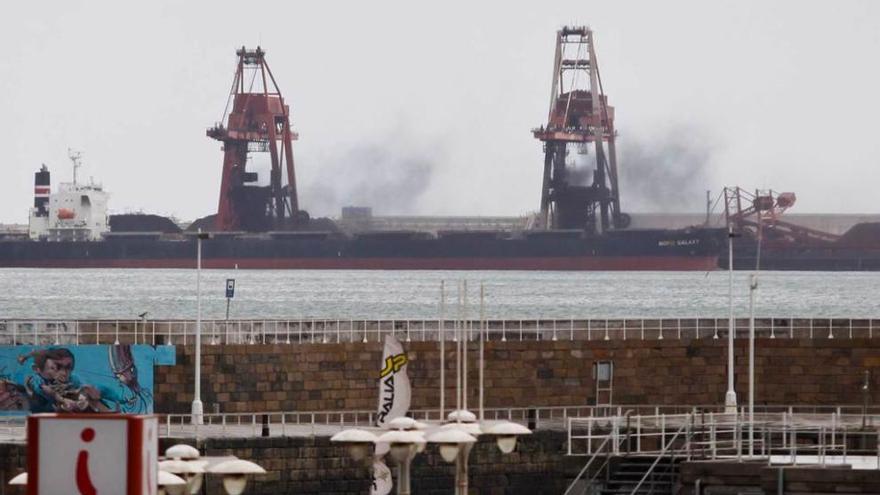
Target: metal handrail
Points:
x,y
587,466
663,452
607,457
330,330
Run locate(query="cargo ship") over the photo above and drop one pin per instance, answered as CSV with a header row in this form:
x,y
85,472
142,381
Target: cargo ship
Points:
x,y
72,229
580,225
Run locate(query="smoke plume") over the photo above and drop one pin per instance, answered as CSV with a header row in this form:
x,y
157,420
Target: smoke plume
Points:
x,y
670,174
390,180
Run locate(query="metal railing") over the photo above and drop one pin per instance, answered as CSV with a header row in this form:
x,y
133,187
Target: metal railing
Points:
x,y
613,448
324,331
783,435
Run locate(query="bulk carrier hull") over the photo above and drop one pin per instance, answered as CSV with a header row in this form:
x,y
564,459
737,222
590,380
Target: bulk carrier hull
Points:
x,y
686,249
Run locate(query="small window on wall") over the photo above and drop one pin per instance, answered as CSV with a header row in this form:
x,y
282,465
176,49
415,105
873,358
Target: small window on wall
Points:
x,y
603,374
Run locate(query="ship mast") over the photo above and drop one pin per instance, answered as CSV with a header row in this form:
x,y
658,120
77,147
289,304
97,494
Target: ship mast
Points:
x,y
76,159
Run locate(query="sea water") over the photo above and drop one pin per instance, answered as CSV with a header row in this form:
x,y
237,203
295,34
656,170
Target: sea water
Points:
x,y
293,294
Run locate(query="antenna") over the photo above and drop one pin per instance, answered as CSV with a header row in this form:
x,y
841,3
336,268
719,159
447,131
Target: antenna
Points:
x,y
76,158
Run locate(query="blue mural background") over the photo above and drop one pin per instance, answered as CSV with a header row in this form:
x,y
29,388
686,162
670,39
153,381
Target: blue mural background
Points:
x,y
79,378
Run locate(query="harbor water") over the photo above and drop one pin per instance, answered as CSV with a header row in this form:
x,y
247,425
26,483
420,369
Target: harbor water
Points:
x,y
123,293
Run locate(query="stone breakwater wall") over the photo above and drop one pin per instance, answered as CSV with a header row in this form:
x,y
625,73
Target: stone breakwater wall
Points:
x,y
336,377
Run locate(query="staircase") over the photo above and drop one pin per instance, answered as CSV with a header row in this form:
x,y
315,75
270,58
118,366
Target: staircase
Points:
x,y
625,476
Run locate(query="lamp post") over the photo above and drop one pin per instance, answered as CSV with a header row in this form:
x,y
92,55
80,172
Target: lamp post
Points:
x,y
403,446
441,329
730,398
197,407
455,446
753,287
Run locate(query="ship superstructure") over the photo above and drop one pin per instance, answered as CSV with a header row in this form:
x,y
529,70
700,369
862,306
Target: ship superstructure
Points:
x,y
76,212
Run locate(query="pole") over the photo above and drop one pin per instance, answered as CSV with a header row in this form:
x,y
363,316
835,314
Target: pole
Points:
x,y
730,398
458,354
753,286
482,361
403,482
465,341
461,469
197,408
442,330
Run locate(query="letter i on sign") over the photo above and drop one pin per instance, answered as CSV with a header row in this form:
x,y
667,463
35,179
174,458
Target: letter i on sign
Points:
x,y
83,476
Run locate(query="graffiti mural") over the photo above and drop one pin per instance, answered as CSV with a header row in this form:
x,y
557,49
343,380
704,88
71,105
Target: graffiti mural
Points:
x,y
79,378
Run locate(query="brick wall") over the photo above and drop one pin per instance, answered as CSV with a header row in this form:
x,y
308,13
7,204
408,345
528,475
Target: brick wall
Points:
x,y
310,377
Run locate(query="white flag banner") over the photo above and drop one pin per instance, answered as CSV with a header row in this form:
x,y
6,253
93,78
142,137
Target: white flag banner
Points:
x,y
394,388
382,482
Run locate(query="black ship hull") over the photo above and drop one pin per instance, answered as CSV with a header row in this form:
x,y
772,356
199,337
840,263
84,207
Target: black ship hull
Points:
x,y
682,249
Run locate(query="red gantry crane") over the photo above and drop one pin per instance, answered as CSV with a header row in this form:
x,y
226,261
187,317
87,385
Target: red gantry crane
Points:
x,y
575,193
259,122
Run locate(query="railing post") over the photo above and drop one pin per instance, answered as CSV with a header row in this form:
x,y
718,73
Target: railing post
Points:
x,y
569,436
590,440
639,433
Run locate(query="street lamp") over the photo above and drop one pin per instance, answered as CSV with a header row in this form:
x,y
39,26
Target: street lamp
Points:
x,y
753,287
455,446
358,442
191,455
235,473
197,408
403,446
170,483
506,433
191,473
730,398
19,480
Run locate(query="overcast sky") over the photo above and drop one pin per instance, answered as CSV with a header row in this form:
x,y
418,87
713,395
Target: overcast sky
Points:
x,y
417,108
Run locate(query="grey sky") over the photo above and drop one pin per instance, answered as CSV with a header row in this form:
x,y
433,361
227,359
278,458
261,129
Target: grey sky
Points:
x,y
759,94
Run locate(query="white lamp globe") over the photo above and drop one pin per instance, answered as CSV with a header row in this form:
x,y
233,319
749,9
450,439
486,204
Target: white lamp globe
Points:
x,y
403,443
358,442
506,433
235,474
451,441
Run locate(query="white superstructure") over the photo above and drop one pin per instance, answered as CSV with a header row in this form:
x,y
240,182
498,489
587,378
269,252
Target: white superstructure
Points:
x,y
76,212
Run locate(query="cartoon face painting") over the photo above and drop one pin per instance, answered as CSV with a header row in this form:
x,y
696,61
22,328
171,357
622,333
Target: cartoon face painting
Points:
x,y
83,378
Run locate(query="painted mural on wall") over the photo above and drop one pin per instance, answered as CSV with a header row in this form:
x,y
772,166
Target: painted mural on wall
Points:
x,y
79,378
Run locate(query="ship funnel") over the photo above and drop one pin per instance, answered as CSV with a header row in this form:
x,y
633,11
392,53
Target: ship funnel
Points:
x,y
41,192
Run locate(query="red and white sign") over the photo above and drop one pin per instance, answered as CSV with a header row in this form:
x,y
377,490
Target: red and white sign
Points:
x,y
92,454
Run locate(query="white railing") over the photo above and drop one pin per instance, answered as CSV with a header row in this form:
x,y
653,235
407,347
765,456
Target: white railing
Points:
x,y
324,331
786,436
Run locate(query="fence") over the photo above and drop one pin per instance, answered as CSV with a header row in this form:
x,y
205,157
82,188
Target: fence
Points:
x,y
786,436
315,331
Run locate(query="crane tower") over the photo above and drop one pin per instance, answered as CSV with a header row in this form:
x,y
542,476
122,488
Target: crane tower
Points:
x,y
259,122
580,187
